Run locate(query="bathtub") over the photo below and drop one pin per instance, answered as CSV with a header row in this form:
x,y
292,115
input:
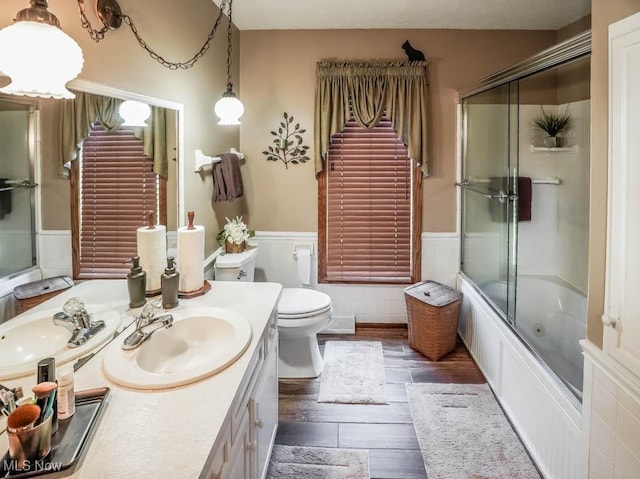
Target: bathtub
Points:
x,y
551,316
517,359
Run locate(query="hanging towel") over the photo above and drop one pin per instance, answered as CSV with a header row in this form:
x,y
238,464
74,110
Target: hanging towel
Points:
x,y
525,191
498,211
227,181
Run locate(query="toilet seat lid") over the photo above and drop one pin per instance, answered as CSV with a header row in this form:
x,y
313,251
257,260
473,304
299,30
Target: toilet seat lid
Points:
x,y
301,302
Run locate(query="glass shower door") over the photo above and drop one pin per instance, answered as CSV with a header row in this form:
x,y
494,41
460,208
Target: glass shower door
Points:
x,y
489,229
17,239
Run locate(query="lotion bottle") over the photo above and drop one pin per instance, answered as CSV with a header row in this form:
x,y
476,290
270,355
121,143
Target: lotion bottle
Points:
x,y
169,285
136,284
66,394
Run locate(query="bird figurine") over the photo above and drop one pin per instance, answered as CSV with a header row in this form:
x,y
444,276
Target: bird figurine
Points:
x,y
412,54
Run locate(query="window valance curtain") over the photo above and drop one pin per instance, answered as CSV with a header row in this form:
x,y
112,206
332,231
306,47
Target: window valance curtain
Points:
x,y
369,90
79,114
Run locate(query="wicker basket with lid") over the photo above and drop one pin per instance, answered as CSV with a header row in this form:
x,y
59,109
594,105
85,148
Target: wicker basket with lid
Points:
x,y
432,310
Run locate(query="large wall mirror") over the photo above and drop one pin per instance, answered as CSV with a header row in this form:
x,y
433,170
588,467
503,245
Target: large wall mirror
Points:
x,y
37,203
35,197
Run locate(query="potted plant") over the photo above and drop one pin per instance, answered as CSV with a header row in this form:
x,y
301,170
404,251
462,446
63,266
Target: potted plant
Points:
x,y
553,124
234,236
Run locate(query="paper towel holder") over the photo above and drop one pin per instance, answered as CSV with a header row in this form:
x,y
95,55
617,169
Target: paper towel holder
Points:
x,y
301,246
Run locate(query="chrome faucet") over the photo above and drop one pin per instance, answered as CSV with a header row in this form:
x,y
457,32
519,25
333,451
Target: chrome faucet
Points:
x,y
147,323
76,319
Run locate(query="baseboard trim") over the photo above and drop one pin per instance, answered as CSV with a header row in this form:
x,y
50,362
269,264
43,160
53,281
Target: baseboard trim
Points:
x,y
392,326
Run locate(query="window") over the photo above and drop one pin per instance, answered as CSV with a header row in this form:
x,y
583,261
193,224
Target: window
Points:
x,y
369,208
113,188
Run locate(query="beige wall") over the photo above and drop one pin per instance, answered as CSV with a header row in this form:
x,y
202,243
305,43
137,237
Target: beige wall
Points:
x,y
604,13
176,33
278,74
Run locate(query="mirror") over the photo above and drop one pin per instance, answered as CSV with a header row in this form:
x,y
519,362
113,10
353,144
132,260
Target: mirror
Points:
x,y
44,204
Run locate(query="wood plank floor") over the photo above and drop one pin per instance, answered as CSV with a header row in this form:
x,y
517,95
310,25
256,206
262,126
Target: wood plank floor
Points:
x,y
385,430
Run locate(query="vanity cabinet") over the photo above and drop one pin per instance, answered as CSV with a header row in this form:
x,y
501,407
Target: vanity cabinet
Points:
x,y
243,447
622,302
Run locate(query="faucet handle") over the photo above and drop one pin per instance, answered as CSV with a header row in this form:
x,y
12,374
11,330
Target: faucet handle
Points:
x,y
149,312
73,306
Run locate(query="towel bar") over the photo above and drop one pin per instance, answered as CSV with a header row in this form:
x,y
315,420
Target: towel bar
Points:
x,y
203,160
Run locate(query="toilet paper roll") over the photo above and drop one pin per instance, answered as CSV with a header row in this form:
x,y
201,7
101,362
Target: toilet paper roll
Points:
x,y
304,265
191,258
152,249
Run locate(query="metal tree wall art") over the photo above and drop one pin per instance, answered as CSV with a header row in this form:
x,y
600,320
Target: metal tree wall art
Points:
x,y
288,144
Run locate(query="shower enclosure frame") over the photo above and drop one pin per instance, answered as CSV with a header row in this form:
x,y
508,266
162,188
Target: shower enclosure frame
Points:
x,y
575,48
31,184
540,407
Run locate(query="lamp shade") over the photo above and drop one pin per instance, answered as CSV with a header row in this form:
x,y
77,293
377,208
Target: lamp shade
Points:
x,y
134,113
39,58
229,109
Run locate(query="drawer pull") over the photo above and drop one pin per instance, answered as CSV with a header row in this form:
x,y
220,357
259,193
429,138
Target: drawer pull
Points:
x,y
259,423
250,445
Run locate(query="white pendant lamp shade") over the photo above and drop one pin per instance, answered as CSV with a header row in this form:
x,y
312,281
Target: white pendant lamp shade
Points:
x,y
229,109
134,113
39,58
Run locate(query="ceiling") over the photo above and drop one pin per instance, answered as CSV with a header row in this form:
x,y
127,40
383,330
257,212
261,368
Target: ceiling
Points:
x,y
403,14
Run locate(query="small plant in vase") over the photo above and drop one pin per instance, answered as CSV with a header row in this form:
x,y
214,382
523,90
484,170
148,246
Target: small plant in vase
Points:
x,y
234,236
553,124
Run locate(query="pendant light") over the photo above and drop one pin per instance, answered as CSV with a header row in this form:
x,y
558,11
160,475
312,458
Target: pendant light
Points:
x,y
134,113
37,55
228,108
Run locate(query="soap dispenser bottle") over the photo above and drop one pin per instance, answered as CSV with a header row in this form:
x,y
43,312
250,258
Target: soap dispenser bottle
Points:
x,y
169,284
136,284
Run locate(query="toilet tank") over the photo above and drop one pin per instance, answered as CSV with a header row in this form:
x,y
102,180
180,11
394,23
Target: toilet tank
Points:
x,y
236,266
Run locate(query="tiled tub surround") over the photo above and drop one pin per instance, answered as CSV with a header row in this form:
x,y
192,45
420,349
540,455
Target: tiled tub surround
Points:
x,y
611,418
139,431
555,241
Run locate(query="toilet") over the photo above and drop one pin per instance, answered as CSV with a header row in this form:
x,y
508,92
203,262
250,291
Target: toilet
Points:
x,y
302,314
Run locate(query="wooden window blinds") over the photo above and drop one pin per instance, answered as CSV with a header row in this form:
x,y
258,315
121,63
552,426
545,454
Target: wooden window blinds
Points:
x,y
117,186
368,206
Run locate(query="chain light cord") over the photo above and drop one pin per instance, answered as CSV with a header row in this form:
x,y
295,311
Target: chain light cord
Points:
x,y
229,40
98,35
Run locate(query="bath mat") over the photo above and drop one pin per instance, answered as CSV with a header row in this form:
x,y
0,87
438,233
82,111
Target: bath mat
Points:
x,y
463,433
298,462
353,373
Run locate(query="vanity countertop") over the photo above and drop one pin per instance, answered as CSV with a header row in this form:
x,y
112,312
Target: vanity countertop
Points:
x,y
165,433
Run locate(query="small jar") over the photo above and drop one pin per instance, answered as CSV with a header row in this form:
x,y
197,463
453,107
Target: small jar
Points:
x,y
66,394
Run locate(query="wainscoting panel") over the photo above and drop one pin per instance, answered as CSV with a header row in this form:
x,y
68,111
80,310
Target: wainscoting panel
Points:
x,y
368,303
275,263
54,253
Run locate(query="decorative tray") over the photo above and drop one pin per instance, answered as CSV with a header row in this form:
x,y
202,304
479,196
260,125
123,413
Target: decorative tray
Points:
x,y
69,443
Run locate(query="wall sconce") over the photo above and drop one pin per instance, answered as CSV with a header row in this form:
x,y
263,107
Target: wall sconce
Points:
x,y
134,113
37,55
40,58
228,108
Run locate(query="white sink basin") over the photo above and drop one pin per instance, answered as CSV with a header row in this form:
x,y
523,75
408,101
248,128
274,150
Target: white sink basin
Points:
x,y
201,342
27,339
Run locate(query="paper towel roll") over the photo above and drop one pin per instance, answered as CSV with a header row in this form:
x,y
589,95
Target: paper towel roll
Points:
x,y
304,265
191,258
152,249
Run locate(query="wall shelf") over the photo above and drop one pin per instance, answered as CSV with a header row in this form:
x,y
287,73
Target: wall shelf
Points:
x,y
544,149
